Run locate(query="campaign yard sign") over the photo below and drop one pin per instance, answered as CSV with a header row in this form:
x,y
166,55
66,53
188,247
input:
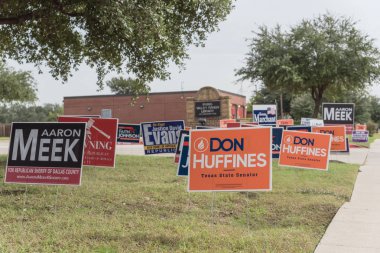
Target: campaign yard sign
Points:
x,y
345,152
276,141
183,165
128,133
45,153
223,122
361,127
230,159
338,113
161,136
299,128
285,122
249,124
311,122
360,136
264,114
338,141
349,128
100,143
305,150
182,135
233,124
204,127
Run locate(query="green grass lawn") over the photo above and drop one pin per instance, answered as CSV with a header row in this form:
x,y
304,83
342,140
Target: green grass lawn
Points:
x,y
141,206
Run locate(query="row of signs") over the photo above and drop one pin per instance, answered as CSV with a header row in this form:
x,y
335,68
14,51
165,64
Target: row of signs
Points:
x,y
240,159
53,153
332,114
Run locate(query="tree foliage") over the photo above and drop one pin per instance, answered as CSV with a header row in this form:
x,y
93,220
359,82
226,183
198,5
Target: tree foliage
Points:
x,y
266,96
24,113
315,56
140,37
131,87
301,106
16,85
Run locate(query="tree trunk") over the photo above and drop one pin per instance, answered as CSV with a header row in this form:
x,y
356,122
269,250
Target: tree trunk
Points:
x,y
317,94
282,106
317,105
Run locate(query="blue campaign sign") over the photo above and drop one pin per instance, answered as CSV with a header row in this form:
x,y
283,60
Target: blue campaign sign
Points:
x,y
183,165
276,141
299,128
161,136
264,114
128,133
360,136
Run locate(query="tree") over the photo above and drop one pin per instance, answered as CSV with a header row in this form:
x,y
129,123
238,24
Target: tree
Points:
x,y
131,87
265,96
16,85
315,56
141,37
374,109
301,106
24,113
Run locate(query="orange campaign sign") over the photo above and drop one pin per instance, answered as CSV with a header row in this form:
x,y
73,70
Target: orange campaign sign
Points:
x,y
223,122
285,122
338,132
305,150
361,127
230,159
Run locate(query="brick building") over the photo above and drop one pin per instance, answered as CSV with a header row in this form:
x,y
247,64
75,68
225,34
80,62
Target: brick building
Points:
x,y
207,104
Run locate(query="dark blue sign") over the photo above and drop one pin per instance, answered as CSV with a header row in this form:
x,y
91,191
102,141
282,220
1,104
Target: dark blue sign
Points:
x,y
128,133
360,136
276,141
299,128
264,114
161,137
182,135
183,165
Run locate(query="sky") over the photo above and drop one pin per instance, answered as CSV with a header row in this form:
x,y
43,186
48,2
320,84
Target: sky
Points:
x,y
225,50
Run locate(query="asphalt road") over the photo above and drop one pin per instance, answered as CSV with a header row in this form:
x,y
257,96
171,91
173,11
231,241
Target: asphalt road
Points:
x,y
135,149
356,156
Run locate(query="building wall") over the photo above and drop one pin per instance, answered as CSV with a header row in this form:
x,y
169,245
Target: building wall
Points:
x,y
157,107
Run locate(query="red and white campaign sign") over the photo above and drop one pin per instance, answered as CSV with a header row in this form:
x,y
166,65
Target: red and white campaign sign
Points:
x,y
100,143
45,153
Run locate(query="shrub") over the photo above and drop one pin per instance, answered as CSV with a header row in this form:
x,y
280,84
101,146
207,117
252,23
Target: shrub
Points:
x,y
372,127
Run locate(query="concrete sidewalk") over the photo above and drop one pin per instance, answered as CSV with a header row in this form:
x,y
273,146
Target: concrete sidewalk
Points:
x,y
356,226
356,156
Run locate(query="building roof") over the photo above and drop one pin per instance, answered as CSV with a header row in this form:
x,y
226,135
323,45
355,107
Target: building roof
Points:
x,y
151,93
